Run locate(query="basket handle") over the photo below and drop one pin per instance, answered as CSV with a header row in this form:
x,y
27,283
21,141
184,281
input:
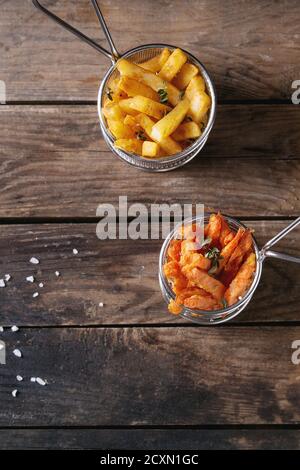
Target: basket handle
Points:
x,y
113,55
266,252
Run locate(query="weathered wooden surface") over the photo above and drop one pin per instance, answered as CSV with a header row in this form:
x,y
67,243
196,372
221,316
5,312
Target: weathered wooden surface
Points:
x,y
54,163
120,273
250,48
149,439
151,376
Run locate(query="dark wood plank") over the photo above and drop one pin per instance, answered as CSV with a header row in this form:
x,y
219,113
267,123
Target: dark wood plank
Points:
x,y
135,376
149,439
59,166
250,50
120,273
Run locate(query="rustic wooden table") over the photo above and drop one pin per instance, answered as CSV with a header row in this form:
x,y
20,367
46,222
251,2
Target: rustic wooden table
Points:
x,y
129,375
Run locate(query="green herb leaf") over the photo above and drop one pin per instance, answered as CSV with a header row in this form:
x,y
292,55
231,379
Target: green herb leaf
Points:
x,y
109,94
140,135
214,252
181,94
163,95
214,255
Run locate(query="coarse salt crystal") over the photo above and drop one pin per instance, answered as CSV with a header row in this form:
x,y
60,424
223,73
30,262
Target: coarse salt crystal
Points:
x,y
14,393
35,294
57,273
40,381
101,304
2,283
17,353
14,328
75,252
32,379
34,260
30,278
41,284
19,378
1,329
7,277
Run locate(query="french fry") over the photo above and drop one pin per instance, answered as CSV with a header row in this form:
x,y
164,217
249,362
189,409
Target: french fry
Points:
x,y
172,66
114,93
168,145
227,251
120,130
125,105
130,121
132,88
153,81
171,121
148,106
242,280
202,302
211,285
155,64
213,229
150,149
185,75
232,266
186,130
129,145
114,112
200,101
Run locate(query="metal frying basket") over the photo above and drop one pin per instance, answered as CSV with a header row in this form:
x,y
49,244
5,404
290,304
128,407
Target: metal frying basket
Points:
x,y
204,317
138,55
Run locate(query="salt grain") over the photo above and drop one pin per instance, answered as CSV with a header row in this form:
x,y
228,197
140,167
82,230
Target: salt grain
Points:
x,y
7,277
19,378
35,294
14,328
41,284
101,304
30,279
40,381
2,283
34,260
57,273
75,252
32,379
1,329
14,393
17,353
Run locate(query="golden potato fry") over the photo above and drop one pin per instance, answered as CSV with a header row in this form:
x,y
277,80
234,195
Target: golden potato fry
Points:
x,y
129,145
120,130
171,121
242,280
133,87
148,106
168,145
113,93
185,75
186,130
196,85
150,149
130,121
153,81
172,66
156,63
125,106
114,112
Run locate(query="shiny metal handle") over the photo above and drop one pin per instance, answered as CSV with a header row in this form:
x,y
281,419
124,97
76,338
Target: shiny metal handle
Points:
x,y
112,56
105,29
266,252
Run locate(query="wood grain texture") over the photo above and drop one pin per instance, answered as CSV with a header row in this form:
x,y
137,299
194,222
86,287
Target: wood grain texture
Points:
x,y
120,273
151,376
59,166
149,439
249,48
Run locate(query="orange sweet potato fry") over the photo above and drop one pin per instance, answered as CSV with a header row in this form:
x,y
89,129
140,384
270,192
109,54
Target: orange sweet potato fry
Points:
x,y
213,229
201,302
202,279
174,308
242,280
191,260
174,250
227,251
232,266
